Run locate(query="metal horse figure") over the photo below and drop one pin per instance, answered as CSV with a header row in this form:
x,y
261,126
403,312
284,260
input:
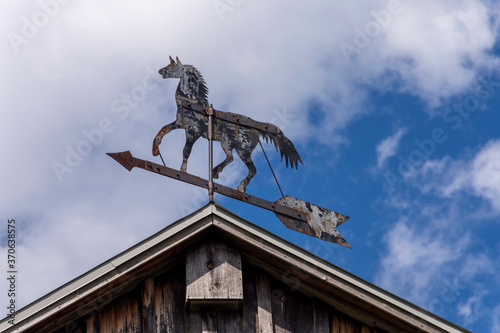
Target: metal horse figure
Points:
x,y
241,138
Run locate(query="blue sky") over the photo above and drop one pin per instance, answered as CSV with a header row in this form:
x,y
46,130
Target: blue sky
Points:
x,y
393,106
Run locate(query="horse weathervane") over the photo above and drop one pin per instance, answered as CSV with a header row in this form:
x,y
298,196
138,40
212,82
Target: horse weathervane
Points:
x,y
241,134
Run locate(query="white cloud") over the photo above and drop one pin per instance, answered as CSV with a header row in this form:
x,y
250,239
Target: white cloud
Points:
x,y
415,257
495,318
436,47
471,309
434,256
485,177
479,175
388,147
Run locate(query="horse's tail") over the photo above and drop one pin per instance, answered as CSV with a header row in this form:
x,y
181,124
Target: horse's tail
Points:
x,y
286,147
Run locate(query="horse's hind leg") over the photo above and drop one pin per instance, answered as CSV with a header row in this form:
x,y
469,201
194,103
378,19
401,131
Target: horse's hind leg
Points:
x,y
246,157
165,130
229,158
191,138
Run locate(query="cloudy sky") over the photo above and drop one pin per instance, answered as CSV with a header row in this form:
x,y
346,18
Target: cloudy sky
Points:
x,y
393,106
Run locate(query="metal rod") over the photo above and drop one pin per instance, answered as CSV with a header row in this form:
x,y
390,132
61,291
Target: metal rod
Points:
x,y
210,155
159,153
276,179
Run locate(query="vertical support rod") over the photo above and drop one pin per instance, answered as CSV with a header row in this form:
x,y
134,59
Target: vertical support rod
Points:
x,y
210,153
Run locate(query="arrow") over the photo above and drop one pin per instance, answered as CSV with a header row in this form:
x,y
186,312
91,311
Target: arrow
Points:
x,y
295,214
321,222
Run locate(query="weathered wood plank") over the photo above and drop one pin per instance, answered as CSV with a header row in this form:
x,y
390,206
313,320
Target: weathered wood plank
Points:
x,y
169,301
250,300
229,321
347,325
264,308
148,308
321,317
213,276
335,324
279,309
208,321
341,323
122,315
93,324
193,321
366,329
294,312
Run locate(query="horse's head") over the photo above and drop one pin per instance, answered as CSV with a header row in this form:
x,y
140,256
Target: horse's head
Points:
x,y
174,70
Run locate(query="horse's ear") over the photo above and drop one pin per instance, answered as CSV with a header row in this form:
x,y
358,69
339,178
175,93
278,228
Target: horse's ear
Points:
x,y
178,61
171,60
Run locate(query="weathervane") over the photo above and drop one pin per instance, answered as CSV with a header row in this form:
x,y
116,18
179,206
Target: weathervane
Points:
x,y
235,132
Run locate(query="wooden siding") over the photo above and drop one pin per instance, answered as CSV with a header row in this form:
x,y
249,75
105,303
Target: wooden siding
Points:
x,y
213,277
269,306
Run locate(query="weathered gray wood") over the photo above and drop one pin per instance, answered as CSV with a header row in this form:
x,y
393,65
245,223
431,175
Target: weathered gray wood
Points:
x,y
122,315
250,300
229,321
92,324
366,329
193,321
335,324
264,308
213,277
321,314
292,310
301,313
148,309
344,324
169,301
208,321
279,300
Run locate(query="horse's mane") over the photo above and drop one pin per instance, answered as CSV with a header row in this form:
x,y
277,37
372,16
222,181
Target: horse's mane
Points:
x,y
196,78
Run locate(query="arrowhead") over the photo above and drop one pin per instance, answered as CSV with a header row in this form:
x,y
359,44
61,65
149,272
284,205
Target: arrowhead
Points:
x,y
125,158
321,222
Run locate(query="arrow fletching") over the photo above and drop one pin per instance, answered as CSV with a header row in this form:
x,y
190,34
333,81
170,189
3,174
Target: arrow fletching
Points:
x,y
321,222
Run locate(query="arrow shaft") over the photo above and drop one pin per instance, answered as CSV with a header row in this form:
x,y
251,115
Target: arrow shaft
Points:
x,y
129,162
210,154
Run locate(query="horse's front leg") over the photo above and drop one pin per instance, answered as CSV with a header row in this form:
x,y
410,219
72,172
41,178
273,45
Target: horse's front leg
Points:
x,y
191,138
165,130
229,158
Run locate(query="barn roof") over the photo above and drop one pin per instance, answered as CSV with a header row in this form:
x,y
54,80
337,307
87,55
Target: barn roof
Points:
x,y
310,274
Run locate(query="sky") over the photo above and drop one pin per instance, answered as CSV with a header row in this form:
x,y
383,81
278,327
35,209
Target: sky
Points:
x,y
392,105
